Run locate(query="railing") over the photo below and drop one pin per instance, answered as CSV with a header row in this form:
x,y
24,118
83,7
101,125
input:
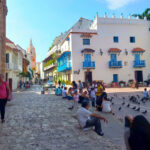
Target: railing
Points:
x,y
115,64
139,64
64,67
50,66
88,64
13,67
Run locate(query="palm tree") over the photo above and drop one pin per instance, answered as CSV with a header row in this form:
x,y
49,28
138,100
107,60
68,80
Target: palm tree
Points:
x,y
146,14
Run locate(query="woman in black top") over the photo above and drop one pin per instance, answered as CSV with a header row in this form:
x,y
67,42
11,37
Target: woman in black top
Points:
x,y
140,134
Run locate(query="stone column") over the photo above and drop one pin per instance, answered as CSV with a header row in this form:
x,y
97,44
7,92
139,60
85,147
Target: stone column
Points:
x,y
3,13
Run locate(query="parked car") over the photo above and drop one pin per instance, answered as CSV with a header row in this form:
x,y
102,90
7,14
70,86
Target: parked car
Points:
x,y
49,84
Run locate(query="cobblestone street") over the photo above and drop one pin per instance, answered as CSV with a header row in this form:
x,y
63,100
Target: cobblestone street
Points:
x,y
43,122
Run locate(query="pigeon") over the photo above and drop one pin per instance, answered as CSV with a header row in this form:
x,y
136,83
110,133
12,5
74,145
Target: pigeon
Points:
x,y
119,108
128,105
123,103
138,109
123,98
144,112
138,96
134,107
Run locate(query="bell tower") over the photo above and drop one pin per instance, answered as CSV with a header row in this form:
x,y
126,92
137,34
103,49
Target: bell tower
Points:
x,y
3,13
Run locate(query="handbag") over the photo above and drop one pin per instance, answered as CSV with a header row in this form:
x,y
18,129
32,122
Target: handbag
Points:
x,y
8,92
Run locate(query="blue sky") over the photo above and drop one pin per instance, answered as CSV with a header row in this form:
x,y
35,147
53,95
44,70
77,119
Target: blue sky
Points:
x,y
43,20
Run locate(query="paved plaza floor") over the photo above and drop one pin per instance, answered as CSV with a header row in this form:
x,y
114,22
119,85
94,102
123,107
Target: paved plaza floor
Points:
x,y
44,122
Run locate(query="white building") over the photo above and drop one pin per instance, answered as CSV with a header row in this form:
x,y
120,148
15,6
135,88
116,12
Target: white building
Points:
x,y
14,58
41,71
108,49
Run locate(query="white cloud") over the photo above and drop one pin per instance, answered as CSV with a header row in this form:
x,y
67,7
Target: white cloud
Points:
x,y
114,4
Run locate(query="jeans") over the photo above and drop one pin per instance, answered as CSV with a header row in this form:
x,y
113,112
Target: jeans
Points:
x,y
94,122
93,101
2,107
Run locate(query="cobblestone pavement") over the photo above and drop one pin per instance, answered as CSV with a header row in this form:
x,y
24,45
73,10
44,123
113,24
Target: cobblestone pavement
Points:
x,y
43,122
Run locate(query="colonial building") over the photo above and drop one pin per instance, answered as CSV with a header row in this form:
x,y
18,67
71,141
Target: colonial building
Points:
x,y
3,13
31,51
14,63
108,49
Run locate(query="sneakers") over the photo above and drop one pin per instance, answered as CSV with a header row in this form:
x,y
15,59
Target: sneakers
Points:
x,y
100,133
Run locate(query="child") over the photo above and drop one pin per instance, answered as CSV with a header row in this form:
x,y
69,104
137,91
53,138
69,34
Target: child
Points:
x,y
93,96
76,99
64,93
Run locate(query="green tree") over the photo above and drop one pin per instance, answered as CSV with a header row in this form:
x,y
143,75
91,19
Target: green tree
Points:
x,y
146,14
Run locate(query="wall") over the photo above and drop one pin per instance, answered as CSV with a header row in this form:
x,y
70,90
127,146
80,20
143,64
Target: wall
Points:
x,y
107,28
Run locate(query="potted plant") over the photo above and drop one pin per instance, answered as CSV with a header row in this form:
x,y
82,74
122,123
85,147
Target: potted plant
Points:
x,y
121,83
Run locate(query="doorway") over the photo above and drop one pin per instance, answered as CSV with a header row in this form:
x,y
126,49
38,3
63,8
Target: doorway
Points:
x,y
88,77
115,78
139,76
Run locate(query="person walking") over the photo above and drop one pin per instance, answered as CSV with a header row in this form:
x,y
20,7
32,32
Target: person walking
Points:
x,y
4,96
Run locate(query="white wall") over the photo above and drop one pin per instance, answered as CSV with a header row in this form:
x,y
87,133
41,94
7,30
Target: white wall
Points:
x,y
107,28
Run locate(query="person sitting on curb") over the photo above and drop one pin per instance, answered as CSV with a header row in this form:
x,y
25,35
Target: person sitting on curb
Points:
x,y
106,106
88,119
64,93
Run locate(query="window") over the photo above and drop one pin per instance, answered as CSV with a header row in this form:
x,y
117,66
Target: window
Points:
x,y
132,39
116,39
87,57
86,41
7,58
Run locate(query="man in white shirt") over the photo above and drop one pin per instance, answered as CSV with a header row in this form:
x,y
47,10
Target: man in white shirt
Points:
x,y
89,119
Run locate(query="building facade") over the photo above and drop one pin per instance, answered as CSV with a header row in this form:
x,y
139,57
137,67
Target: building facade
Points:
x,y
14,63
108,49
3,13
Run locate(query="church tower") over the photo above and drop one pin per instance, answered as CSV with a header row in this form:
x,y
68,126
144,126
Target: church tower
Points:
x,y
3,13
32,52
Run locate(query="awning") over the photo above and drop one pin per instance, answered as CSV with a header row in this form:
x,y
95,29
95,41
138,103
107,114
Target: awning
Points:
x,y
114,50
140,50
87,50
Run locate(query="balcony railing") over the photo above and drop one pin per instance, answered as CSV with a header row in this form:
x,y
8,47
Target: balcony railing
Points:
x,y
12,67
115,64
50,66
64,67
139,64
88,64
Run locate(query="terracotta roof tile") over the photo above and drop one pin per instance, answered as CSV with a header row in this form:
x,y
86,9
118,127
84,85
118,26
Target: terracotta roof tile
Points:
x,y
114,50
138,50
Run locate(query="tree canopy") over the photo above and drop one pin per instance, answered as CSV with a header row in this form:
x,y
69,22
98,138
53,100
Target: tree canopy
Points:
x,y
146,14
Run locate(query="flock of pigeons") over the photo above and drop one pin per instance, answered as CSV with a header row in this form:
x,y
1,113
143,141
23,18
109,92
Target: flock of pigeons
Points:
x,y
133,102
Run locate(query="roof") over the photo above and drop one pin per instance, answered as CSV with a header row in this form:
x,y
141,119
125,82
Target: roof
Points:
x,y
11,46
88,50
116,50
138,50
